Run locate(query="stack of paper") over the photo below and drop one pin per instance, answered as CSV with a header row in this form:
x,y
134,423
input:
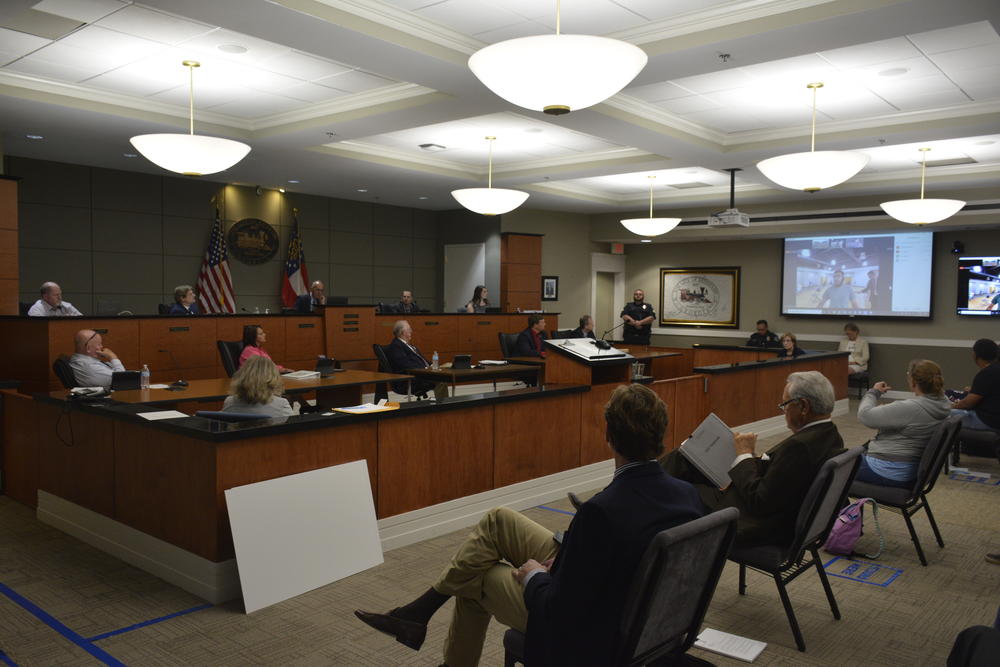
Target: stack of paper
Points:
x,y
365,408
733,646
301,375
492,362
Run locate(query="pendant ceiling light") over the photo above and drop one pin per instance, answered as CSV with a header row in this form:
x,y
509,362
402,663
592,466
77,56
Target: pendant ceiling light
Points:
x,y
814,170
190,154
650,226
922,211
489,200
557,73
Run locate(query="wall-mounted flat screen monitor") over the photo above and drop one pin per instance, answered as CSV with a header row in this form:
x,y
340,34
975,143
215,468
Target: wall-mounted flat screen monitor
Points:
x,y
979,286
858,275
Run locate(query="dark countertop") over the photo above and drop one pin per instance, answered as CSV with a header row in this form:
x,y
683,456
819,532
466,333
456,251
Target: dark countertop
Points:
x,y
749,348
747,365
218,431
357,306
10,384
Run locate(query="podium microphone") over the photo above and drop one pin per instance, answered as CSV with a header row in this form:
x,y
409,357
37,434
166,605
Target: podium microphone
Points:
x,y
603,344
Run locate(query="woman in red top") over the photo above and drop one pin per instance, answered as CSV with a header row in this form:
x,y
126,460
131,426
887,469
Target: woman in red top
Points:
x,y
253,344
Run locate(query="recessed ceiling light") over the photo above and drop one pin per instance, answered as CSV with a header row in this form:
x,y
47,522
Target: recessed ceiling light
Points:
x,y
894,71
362,190
130,155
34,136
294,180
433,147
423,197
232,48
645,240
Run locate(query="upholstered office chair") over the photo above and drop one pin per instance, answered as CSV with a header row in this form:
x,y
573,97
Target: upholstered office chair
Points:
x,y
163,308
784,562
23,308
381,388
507,343
64,371
229,352
912,500
662,617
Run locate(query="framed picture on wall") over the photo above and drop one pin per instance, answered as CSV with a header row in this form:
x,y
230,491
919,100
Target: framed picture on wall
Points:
x,y
550,288
700,297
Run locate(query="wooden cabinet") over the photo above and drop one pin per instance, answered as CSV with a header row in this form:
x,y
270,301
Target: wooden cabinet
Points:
x,y
520,271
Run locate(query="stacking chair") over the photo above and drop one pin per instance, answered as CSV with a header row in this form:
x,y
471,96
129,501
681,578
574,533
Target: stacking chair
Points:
x,y
229,352
785,562
861,380
64,371
975,442
670,592
912,500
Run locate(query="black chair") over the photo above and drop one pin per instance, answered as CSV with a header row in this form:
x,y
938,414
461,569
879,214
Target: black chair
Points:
x,y
861,380
670,592
785,562
219,415
229,352
64,371
912,500
164,308
381,388
976,442
507,343
23,308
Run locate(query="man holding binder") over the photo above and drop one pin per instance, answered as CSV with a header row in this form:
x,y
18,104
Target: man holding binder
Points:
x,y
768,490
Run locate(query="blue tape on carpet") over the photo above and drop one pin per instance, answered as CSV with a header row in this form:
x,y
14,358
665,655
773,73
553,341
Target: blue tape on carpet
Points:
x,y
553,509
862,571
136,626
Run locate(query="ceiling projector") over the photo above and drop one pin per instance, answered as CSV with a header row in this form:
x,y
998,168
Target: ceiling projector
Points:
x,y
731,217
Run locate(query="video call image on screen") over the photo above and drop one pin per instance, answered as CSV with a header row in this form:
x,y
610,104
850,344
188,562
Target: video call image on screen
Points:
x,y
878,275
978,286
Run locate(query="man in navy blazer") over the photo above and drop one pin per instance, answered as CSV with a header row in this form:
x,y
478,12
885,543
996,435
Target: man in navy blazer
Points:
x,y
529,342
316,296
403,355
568,599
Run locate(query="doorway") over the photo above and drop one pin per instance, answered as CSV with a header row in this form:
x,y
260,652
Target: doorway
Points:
x,y
464,268
604,313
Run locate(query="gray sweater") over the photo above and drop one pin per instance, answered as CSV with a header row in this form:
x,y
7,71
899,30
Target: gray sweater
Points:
x,y
277,407
904,427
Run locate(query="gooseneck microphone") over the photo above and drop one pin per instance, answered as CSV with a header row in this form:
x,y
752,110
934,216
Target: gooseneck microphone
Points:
x,y
603,344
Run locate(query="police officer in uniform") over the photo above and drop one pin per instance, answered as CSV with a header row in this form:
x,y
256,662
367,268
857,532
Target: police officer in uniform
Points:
x,y
638,317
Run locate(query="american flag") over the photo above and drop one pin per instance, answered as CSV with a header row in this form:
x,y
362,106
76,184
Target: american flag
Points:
x,y
296,278
215,282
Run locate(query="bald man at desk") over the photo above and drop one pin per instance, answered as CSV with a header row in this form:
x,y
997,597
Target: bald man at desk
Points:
x,y
92,363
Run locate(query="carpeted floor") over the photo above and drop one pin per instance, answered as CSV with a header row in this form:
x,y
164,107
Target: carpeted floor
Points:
x,y
85,594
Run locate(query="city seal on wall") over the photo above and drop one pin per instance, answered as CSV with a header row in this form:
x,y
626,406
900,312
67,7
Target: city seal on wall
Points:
x,y
252,241
697,297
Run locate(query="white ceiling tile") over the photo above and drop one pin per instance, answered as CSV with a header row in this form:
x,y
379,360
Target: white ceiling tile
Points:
x,y
723,80
410,5
658,92
725,120
957,62
683,105
58,72
86,11
258,50
957,37
926,100
305,67
859,104
311,92
355,81
592,17
523,29
95,43
469,16
904,85
260,104
985,91
529,9
915,69
205,97
656,10
862,55
157,26
14,44
795,71
131,80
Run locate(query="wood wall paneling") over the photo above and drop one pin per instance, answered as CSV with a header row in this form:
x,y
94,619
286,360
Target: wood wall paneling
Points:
x,y
536,438
174,343
350,331
9,262
690,406
76,457
20,447
27,354
771,382
521,249
432,332
593,432
560,369
731,396
428,459
522,278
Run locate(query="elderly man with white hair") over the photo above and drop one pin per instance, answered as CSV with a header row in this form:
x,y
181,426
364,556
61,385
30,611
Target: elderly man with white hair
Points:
x,y
769,489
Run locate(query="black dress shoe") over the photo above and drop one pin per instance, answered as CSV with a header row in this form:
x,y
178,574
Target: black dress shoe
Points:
x,y
407,633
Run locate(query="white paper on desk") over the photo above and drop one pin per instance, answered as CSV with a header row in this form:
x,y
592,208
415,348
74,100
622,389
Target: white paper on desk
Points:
x,y
492,362
734,646
162,414
363,408
159,386
301,375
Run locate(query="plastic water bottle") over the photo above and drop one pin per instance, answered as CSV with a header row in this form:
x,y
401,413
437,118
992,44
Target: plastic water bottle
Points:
x,y
144,377
256,310
435,365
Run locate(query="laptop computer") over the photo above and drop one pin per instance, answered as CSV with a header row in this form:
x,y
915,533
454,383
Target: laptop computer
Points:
x,y
125,380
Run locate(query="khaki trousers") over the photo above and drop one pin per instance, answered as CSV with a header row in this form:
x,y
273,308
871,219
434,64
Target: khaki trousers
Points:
x,y
480,577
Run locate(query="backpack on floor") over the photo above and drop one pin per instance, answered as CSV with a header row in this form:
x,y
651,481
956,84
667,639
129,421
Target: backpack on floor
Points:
x,y
848,528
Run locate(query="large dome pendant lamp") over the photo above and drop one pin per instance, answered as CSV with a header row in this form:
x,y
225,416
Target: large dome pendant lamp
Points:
x,y
557,73
650,226
190,154
922,211
489,200
815,170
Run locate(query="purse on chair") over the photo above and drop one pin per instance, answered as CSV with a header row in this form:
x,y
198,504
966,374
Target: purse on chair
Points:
x,y
848,528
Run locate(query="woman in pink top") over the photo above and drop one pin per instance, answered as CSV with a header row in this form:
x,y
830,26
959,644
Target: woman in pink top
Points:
x,y
253,344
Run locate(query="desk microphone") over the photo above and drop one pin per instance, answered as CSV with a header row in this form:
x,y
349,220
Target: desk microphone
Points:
x,y
603,344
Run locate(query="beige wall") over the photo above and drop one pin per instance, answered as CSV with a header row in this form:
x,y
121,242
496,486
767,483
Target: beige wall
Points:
x,y
566,252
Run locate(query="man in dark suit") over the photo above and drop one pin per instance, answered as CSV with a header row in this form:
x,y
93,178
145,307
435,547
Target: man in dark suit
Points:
x,y
404,355
316,296
406,303
585,330
769,489
763,337
529,342
569,599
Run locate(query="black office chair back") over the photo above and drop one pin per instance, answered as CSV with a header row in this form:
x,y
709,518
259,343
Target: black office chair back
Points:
x,y
64,371
507,343
935,453
673,587
164,308
381,388
229,352
826,496
220,415
23,308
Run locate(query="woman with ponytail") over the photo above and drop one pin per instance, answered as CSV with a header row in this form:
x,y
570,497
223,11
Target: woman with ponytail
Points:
x,y
904,427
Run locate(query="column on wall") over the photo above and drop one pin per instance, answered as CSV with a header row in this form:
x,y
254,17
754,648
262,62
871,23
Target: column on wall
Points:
x,y
520,271
9,285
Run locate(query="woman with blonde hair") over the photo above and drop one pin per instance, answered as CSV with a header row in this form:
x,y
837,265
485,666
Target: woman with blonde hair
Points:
x,y
256,388
904,427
